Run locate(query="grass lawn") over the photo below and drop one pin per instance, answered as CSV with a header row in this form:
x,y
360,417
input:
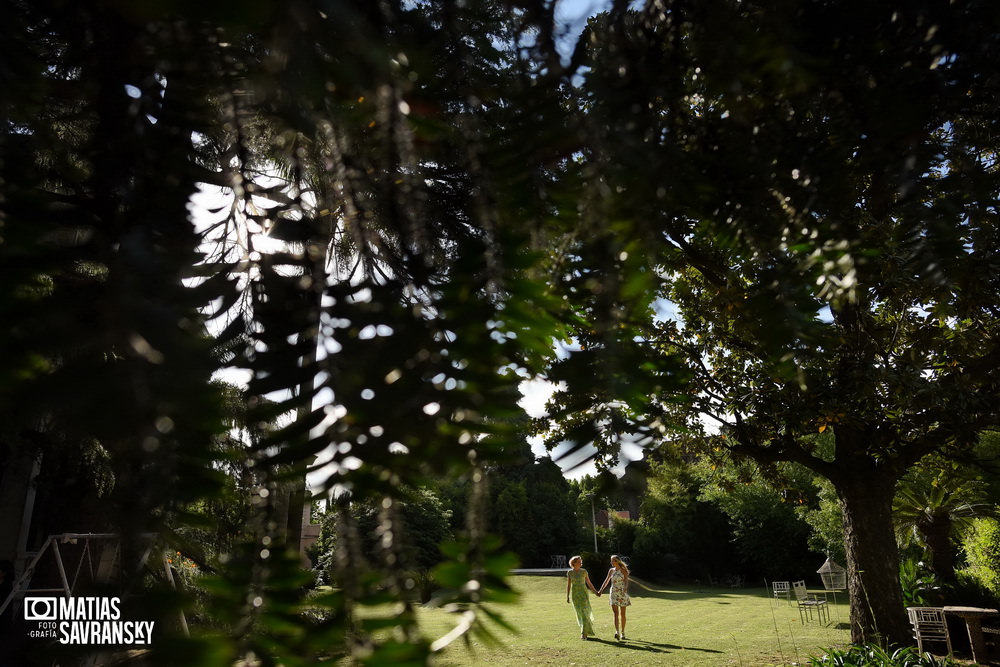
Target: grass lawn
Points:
x,y
675,625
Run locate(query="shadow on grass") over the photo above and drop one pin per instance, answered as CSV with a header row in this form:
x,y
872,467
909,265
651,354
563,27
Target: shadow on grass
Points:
x,y
650,647
645,589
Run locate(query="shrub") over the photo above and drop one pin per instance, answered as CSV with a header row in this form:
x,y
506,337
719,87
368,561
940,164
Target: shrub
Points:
x,y
982,552
873,655
920,587
596,564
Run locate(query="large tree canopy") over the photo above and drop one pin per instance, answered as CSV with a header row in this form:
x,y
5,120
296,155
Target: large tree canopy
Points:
x,y
817,185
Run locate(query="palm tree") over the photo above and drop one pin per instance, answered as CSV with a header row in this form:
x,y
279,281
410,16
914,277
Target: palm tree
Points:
x,y
931,506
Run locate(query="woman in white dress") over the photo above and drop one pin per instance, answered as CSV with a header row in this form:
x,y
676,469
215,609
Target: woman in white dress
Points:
x,y
620,600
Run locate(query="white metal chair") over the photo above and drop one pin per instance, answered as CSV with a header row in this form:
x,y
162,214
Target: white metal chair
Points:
x,y
782,589
808,604
929,624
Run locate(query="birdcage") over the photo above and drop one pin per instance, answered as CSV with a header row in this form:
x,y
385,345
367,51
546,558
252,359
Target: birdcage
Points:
x,y
833,575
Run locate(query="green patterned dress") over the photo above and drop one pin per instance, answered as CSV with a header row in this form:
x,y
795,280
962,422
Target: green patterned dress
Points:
x,y
581,600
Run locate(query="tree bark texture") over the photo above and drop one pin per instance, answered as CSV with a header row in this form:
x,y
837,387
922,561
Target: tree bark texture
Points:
x,y
936,532
877,612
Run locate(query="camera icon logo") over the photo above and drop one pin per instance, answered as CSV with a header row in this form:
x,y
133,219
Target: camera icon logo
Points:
x,y
40,609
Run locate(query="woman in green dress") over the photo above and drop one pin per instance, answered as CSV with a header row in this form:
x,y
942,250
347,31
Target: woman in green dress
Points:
x,y
577,583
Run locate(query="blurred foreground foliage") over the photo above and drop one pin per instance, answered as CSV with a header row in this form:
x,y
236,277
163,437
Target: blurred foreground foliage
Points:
x,y
360,255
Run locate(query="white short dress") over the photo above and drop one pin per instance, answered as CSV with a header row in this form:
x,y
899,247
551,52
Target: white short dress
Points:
x,y
619,595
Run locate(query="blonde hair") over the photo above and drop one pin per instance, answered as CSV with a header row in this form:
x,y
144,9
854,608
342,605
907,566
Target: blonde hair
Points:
x,y
574,559
618,559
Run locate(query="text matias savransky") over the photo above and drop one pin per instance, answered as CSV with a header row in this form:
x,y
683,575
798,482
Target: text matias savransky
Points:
x,y
85,621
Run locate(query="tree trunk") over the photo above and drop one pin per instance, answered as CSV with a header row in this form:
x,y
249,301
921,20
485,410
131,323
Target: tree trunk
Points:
x,y
877,612
937,536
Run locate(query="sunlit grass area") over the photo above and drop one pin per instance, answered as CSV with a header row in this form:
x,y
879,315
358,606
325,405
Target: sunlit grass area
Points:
x,y
667,625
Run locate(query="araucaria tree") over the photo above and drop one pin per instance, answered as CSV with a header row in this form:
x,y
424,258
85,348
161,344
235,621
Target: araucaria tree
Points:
x,y
365,261
815,188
